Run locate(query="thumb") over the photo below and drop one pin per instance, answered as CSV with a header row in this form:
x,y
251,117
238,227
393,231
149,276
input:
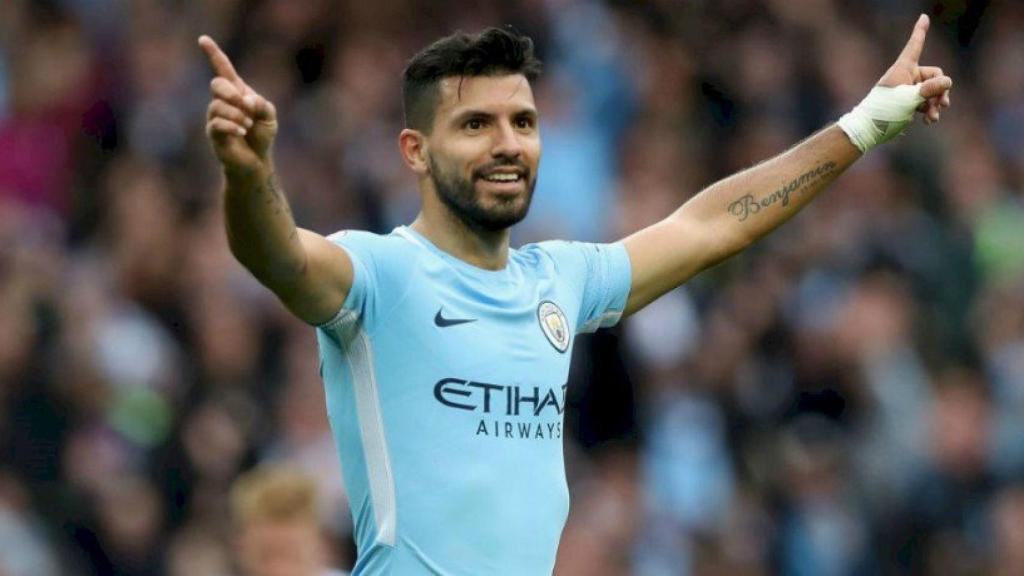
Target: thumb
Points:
x,y
935,86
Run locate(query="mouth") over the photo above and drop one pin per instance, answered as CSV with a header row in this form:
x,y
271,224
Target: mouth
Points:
x,y
504,180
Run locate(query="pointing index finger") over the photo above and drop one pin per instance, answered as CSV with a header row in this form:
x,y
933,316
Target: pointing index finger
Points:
x,y
912,51
218,60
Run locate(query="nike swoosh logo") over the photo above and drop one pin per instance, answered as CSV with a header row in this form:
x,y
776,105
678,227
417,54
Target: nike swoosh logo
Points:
x,y
443,322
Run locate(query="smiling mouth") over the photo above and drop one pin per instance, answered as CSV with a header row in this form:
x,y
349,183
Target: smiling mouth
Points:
x,y
503,177
502,172
503,188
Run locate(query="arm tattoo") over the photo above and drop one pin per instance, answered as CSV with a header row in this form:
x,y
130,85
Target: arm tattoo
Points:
x,y
274,198
746,205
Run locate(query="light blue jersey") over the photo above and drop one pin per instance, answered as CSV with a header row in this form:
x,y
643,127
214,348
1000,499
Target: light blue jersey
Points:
x,y
445,392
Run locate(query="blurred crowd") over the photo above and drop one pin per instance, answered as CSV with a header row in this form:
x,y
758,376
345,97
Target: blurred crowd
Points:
x,y
845,398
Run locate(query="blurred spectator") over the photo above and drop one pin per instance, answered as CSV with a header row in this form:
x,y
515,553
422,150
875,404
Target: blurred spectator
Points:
x,y
1008,531
824,530
24,550
277,523
943,525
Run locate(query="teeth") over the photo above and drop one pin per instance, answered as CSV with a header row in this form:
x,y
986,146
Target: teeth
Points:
x,y
503,177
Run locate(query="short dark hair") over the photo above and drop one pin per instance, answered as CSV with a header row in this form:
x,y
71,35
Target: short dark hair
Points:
x,y
492,52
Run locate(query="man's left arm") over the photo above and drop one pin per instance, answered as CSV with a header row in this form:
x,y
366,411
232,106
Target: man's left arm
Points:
x,y
733,213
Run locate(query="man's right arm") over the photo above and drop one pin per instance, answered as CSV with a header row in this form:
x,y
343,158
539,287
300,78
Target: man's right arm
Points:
x,y
306,271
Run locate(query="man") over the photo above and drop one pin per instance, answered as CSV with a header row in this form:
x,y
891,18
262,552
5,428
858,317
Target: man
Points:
x,y
445,353
277,527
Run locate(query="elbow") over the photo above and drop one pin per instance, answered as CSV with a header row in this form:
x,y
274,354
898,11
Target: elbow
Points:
x,y
281,275
721,246
713,240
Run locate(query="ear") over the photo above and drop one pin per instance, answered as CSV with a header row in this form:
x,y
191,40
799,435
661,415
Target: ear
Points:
x,y
413,146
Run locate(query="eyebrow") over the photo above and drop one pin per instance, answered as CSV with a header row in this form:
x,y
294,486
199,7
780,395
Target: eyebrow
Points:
x,y
475,113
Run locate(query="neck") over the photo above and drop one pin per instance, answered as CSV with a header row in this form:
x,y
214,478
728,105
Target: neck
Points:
x,y
481,248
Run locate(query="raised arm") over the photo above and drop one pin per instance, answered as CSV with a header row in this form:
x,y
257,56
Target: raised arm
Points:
x,y
306,271
733,213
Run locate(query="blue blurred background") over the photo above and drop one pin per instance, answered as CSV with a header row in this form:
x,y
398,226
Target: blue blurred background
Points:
x,y
845,398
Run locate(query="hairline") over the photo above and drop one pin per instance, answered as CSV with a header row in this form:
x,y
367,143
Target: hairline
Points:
x,y
434,91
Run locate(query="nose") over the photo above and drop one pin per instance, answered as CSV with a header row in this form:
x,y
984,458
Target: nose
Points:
x,y
506,142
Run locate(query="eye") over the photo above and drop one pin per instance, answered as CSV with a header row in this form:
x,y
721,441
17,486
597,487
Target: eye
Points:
x,y
524,122
474,124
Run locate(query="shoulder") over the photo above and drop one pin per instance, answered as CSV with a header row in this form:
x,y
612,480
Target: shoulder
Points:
x,y
362,238
564,256
373,246
381,259
581,262
550,251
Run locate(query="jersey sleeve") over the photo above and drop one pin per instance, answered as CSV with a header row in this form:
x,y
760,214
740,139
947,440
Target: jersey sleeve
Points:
x,y
601,275
369,293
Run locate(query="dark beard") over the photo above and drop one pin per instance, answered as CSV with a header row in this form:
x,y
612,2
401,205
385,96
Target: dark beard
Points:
x,y
459,196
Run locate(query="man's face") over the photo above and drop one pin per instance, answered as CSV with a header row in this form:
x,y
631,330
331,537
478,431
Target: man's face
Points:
x,y
281,548
484,149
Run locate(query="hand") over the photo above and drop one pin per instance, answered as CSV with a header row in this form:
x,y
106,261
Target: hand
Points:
x,y
240,123
934,85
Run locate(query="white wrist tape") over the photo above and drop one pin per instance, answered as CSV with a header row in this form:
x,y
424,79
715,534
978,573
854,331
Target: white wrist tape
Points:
x,y
881,116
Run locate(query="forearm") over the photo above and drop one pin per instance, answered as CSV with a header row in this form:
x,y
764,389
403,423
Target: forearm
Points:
x,y
744,207
260,227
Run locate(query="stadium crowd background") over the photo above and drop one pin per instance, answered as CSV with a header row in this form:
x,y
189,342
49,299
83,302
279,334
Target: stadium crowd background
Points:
x,y
845,398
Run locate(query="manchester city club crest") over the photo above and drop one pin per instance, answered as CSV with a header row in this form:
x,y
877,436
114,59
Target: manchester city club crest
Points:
x,y
555,326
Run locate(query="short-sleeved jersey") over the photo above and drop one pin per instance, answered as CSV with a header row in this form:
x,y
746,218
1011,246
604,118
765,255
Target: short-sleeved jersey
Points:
x,y
445,388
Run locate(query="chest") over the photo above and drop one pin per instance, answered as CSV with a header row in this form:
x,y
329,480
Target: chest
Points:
x,y
519,330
